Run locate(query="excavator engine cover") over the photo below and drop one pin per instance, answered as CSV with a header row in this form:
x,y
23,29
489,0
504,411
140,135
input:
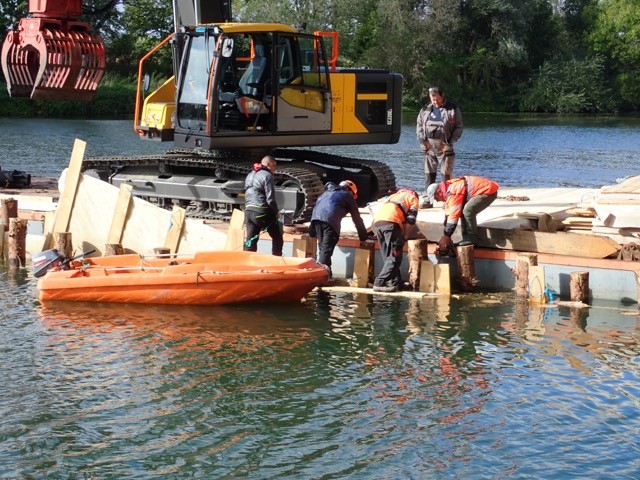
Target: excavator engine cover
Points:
x,y
51,56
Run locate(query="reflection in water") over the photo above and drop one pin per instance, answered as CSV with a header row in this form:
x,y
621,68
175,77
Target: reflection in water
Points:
x,y
339,386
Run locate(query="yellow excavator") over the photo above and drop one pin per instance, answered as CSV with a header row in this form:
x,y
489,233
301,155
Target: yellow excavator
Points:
x,y
239,91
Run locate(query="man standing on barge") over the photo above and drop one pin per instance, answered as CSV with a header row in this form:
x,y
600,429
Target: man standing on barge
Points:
x,y
261,210
439,126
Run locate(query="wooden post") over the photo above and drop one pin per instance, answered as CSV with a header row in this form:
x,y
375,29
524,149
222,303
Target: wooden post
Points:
x,y
8,210
416,252
113,249
466,268
523,262
363,266
17,242
305,247
235,233
62,243
172,241
579,287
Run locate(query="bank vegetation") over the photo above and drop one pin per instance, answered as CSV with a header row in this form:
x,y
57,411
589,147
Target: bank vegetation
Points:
x,y
552,56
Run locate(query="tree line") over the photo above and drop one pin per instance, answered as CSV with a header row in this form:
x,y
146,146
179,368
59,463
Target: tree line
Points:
x,y
558,56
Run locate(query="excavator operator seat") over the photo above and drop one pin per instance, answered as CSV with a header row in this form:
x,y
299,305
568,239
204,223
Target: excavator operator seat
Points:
x,y
255,76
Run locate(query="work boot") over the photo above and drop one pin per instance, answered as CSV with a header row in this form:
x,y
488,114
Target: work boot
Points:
x,y
385,288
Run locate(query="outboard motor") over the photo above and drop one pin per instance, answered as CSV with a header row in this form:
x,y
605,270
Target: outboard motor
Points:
x,y
44,261
14,179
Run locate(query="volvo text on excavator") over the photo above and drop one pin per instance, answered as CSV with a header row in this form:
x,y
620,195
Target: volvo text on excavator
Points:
x,y
239,91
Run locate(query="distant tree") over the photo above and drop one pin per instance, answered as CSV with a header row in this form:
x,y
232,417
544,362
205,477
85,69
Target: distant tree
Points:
x,y
616,36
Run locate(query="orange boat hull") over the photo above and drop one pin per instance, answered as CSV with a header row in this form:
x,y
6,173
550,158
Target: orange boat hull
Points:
x,y
207,278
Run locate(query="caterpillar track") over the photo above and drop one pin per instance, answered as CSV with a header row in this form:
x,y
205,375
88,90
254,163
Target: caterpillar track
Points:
x,y
210,184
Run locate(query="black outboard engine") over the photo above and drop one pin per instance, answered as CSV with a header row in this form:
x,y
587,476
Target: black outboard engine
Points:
x,y
44,261
14,179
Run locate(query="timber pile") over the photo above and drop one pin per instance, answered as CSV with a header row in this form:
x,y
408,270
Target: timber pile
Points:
x,y
617,208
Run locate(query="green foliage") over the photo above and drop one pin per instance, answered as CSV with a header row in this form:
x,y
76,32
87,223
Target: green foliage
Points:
x,y
569,86
115,98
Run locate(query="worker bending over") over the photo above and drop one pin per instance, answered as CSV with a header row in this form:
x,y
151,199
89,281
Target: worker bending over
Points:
x,y
464,198
332,206
393,223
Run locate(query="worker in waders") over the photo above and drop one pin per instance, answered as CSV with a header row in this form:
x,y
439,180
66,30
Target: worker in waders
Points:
x,y
463,199
392,223
261,210
438,127
330,208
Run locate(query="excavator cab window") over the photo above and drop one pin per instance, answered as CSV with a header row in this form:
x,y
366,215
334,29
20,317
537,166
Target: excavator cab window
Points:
x,y
192,97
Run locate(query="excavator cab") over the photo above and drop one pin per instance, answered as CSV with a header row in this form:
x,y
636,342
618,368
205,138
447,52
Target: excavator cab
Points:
x,y
51,55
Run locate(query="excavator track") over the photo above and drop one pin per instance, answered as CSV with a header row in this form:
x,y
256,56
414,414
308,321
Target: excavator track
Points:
x,y
295,172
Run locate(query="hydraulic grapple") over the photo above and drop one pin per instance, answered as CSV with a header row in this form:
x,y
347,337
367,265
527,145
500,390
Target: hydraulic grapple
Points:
x,y
51,55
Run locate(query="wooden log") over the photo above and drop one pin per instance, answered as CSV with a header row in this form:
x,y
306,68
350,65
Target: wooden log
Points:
x,y
304,247
466,268
8,210
364,265
17,242
62,242
113,249
579,287
416,252
523,262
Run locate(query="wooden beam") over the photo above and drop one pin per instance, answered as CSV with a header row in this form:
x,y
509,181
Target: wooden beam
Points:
x,y
71,180
443,278
235,232
369,291
560,243
537,284
427,277
120,214
172,240
364,266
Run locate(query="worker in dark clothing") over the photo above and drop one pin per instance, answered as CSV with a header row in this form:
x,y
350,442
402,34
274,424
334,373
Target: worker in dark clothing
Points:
x,y
438,128
332,206
393,222
261,210
464,198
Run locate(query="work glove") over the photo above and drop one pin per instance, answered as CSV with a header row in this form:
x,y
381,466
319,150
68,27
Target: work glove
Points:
x,y
445,244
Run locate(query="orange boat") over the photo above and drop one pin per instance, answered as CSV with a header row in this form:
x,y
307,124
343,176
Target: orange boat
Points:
x,y
206,278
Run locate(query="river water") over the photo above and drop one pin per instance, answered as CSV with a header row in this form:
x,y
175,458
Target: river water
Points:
x,y
340,386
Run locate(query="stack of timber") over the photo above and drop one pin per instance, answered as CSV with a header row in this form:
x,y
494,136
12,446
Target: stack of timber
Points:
x,y
617,208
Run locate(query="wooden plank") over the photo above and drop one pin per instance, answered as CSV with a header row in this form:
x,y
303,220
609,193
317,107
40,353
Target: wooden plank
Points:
x,y
305,247
363,267
560,243
235,233
71,180
172,240
442,278
537,285
630,185
369,291
120,214
427,277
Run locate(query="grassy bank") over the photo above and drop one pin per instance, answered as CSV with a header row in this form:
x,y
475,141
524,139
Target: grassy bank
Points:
x,y
115,98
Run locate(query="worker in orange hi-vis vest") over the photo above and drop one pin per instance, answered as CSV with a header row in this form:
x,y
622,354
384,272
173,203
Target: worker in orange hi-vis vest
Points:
x,y
463,199
392,223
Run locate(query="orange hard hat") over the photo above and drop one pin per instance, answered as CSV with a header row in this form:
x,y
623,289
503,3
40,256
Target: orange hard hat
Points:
x,y
351,186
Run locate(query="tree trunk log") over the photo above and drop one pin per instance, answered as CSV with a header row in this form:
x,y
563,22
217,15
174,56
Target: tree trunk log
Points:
x,y
8,210
62,242
416,252
17,242
579,287
466,268
523,262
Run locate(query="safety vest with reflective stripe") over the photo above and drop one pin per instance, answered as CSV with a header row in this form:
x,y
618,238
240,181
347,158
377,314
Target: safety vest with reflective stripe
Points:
x,y
460,190
396,207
